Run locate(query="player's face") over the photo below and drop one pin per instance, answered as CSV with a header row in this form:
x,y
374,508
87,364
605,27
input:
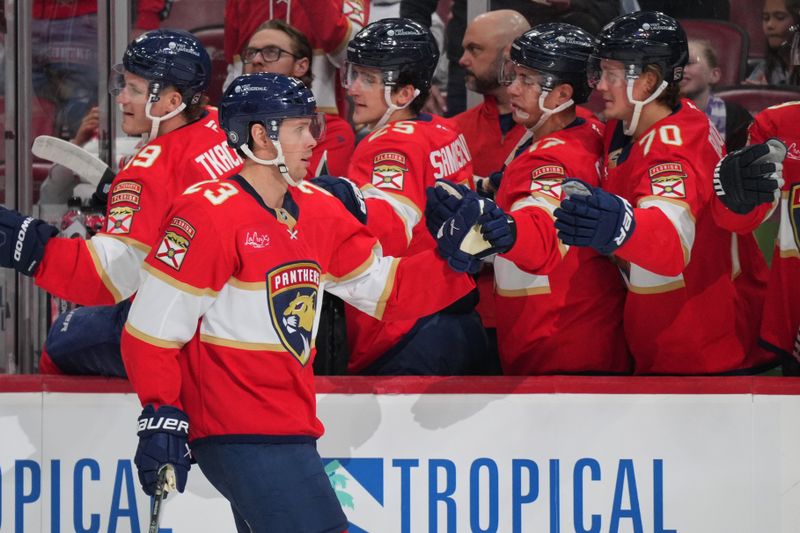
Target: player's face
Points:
x,y
481,59
776,21
297,142
698,76
613,88
132,98
366,89
524,91
271,51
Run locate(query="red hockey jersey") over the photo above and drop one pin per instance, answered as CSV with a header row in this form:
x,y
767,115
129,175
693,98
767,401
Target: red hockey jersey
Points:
x,y
393,166
683,270
782,304
106,268
224,324
559,309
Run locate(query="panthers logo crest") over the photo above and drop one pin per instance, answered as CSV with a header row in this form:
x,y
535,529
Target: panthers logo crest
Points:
x,y
293,291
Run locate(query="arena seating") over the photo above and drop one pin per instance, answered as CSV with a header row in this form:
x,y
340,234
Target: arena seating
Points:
x,y
729,41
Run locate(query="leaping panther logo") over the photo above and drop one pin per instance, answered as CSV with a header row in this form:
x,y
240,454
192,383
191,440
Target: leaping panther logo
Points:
x,y
299,316
293,291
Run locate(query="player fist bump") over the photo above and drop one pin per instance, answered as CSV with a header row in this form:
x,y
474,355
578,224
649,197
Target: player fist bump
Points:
x,y
22,241
590,216
163,436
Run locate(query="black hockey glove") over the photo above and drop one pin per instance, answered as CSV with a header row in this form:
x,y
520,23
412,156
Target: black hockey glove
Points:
x,y
750,176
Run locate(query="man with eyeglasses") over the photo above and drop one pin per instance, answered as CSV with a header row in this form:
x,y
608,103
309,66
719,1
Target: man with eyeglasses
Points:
x,y
550,299
159,88
328,39
280,48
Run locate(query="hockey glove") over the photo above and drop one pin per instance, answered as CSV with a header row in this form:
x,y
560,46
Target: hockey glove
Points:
x,y
163,438
346,192
590,216
442,203
478,229
750,176
22,241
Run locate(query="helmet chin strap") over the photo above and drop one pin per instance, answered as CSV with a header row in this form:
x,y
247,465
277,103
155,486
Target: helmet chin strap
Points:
x,y
387,96
156,121
629,129
546,112
279,161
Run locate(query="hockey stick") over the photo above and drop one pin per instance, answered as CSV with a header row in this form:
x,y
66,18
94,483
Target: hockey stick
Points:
x,y
165,483
90,168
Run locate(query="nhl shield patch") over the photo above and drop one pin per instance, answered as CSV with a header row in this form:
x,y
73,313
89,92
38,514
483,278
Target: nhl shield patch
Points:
x,y
389,170
292,296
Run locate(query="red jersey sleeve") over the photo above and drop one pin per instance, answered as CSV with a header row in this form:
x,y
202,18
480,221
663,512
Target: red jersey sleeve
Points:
x,y
184,274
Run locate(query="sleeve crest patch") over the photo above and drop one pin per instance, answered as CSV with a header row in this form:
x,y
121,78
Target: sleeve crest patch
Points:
x,y
388,170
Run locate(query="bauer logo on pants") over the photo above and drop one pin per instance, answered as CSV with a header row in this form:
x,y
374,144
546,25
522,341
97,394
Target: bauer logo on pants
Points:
x,y
292,295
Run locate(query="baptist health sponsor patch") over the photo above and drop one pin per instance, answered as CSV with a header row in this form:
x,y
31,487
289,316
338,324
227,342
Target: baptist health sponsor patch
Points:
x,y
667,180
175,244
292,295
547,180
389,170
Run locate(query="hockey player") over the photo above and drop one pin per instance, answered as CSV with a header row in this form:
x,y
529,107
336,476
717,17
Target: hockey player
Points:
x,y
549,298
158,88
689,280
390,64
751,183
219,343
278,47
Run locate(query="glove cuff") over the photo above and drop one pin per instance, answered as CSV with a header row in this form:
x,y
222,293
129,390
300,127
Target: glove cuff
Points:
x,y
167,419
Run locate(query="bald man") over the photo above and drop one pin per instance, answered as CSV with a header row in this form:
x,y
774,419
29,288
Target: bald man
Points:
x,y
489,128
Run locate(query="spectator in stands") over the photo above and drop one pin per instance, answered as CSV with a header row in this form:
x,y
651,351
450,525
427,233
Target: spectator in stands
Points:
x,y
701,73
590,15
780,19
282,49
64,54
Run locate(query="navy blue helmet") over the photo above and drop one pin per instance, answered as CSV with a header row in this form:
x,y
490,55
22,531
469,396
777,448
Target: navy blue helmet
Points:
x,y
395,46
265,98
558,51
645,38
170,58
